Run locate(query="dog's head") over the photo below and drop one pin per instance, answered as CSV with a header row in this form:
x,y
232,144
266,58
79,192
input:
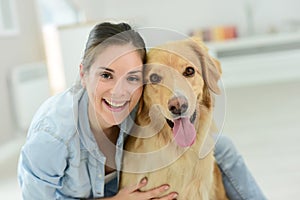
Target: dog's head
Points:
x,y
179,77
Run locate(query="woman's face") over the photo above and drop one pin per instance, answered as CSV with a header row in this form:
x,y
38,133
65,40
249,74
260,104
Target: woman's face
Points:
x,y
114,84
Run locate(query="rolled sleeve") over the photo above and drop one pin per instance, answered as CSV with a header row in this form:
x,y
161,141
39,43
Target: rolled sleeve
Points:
x,y
42,164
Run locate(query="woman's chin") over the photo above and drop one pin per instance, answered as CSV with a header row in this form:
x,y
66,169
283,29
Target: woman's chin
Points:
x,y
117,118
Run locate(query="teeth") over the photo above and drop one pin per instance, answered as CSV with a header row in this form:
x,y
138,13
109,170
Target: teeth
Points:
x,y
113,104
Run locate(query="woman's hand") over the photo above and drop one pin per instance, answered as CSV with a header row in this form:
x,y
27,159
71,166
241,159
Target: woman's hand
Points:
x,y
134,193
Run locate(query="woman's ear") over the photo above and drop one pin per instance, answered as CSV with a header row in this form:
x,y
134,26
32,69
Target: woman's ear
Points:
x,y
82,75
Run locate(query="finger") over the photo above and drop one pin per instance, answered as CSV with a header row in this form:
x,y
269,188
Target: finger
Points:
x,y
169,196
156,192
138,186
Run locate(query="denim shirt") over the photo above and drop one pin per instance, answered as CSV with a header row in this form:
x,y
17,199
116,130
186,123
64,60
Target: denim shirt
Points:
x,y
61,159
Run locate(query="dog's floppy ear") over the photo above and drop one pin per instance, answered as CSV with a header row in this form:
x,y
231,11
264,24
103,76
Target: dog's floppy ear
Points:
x,y
211,69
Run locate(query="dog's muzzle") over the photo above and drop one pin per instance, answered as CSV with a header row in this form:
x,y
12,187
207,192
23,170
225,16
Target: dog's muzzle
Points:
x,y
192,120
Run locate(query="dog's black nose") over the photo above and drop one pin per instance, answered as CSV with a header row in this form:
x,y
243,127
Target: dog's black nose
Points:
x,y
178,105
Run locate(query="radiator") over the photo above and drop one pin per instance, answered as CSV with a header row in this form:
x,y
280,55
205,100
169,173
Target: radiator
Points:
x,y
29,87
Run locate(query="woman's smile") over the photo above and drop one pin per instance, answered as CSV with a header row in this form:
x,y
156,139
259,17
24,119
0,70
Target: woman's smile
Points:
x,y
115,106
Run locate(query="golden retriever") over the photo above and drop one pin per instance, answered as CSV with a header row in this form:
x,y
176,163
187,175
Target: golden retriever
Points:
x,y
174,120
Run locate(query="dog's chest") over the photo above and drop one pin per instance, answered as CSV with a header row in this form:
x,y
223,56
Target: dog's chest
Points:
x,y
187,175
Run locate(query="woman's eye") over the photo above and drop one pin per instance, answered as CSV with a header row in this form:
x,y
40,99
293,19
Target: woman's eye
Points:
x,y
189,72
105,75
155,78
134,79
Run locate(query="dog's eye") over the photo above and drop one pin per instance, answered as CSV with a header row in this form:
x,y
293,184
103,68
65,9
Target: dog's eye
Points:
x,y
189,72
155,78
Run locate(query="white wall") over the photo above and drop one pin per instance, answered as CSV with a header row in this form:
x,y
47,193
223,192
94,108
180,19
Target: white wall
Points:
x,y
281,15
183,16
25,47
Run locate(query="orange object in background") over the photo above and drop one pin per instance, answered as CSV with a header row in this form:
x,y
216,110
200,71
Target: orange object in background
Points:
x,y
230,32
217,33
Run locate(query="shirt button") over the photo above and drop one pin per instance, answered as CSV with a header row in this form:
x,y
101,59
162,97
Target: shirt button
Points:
x,y
100,175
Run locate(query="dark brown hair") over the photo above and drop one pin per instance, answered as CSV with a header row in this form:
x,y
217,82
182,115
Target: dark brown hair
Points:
x,y
107,34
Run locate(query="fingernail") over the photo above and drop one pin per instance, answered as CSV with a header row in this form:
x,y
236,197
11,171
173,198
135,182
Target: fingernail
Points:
x,y
175,195
166,187
144,180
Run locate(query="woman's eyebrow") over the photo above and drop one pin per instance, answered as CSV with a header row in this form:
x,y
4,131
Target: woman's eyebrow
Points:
x,y
105,68
135,71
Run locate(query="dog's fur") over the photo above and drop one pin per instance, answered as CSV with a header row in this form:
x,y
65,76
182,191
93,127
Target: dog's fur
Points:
x,y
193,178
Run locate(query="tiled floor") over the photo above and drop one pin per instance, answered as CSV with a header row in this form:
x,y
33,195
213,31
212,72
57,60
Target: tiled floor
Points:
x,y
263,122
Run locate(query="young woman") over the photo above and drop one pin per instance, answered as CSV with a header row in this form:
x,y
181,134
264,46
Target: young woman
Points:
x,y
75,141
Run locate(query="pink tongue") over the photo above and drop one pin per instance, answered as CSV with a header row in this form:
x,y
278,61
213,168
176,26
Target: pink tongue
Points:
x,y
184,132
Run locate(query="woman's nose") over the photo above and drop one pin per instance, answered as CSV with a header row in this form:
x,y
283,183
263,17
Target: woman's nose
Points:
x,y
120,88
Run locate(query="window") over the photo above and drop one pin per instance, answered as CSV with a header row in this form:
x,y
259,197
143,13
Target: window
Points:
x,y
8,21
58,12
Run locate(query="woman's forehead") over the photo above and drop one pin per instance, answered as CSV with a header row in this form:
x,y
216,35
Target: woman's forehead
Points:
x,y
117,57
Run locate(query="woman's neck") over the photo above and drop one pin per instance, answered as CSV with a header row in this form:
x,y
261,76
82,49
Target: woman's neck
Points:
x,y
106,137
100,127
